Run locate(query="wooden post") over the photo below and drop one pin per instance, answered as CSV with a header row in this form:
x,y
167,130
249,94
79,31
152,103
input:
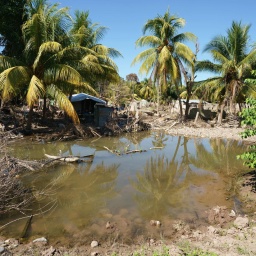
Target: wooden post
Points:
x,y
196,118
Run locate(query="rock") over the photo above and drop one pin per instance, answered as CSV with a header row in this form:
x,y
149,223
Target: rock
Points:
x,y
108,225
94,244
152,222
40,240
11,243
211,229
155,223
94,253
151,241
232,213
241,222
158,223
2,249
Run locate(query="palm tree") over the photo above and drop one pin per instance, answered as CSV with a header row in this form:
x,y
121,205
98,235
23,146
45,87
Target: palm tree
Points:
x,y
41,69
147,91
54,64
96,65
232,62
167,50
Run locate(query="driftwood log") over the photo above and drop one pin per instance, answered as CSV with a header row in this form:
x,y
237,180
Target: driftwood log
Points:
x,y
70,159
124,153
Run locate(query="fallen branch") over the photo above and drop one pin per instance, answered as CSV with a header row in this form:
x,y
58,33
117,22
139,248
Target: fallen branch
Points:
x,y
26,228
53,206
94,133
70,159
111,151
173,124
156,148
135,151
126,152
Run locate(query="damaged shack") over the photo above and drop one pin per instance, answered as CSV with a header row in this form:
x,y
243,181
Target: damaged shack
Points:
x,y
91,109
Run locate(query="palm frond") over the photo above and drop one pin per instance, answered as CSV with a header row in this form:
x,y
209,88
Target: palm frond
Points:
x,y
46,48
35,90
151,41
60,73
63,102
8,62
12,79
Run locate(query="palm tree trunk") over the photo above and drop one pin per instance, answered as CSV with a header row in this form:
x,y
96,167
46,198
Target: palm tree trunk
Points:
x,y
44,107
220,116
232,99
180,104
158,101
187,107
2,104
30,115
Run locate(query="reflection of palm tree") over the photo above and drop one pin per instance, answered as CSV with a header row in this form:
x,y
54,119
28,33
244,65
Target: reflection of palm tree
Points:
x,y
185,162
221,158
80,196
159,139
128,142
157,187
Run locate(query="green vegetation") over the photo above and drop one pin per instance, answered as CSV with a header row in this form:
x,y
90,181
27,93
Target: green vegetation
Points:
x,y
55,61
47,54
249,119
11,10
167,52
188,250
232,64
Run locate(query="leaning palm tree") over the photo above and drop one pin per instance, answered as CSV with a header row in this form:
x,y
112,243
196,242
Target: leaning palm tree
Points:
x,y
41,68
232,64
167,50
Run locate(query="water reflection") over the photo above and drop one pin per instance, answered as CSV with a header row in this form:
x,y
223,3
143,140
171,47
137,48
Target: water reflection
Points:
x,y
157,186
177,177
218,156
159,139
79,195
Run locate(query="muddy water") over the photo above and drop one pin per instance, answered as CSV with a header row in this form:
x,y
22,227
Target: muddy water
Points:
x,y
175,178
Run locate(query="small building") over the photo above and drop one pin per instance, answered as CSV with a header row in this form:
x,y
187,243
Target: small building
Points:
x,y
91,109
193,103
84,103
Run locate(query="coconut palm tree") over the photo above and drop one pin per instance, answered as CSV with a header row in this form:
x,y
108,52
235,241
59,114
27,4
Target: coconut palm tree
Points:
x,y
167,50
41,68
96,65
53,64
147,91
232,63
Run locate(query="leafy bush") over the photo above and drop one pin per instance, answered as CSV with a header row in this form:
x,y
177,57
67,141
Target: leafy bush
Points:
x,y
249,120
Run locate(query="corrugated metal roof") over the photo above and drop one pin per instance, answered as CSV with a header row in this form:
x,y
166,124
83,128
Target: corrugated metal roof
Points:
x,y
84,96
193,101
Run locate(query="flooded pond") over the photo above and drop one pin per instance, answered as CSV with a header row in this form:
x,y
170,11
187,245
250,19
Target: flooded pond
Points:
x,y
173,178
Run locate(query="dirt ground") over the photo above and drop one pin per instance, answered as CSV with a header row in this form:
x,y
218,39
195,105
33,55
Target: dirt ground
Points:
x,y
227,233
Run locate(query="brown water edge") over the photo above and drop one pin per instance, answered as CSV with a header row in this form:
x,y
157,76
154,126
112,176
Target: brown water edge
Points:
x,y
131,224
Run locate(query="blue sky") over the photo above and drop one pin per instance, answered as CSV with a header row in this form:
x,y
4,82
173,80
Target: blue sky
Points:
x,y
125,19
